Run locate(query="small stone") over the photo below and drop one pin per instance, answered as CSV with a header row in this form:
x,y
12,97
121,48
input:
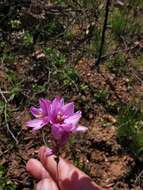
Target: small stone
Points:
x,y
91,116
88,74
41,55
83,98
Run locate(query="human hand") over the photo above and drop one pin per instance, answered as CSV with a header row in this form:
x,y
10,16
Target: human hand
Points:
x,y
69,177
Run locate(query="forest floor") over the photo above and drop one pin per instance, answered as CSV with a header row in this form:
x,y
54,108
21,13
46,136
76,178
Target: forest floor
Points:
x,y
49,50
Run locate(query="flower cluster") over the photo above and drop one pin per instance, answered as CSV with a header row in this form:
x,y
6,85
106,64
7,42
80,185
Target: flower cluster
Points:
x,y
61,116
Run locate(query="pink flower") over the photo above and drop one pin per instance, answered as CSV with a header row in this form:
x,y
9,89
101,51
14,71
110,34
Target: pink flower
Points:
x,y
41,115
61,116
63,120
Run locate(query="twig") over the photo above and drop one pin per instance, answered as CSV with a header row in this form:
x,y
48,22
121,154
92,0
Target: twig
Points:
x,y
138,177
5,92
5,117
5,100
103,33
107,80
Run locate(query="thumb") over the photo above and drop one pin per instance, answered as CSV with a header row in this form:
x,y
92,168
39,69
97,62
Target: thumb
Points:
x,y
46,184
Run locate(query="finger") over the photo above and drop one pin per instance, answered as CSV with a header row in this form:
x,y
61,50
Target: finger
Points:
x,y
36,169
65,167
46,184
66,171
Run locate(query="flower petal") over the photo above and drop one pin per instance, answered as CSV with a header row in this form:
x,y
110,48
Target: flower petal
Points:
x,y
36,124
44,105
36,112
73,119
59,134
57,103
68,127
49,152
57,131
55,108
81,128
68,109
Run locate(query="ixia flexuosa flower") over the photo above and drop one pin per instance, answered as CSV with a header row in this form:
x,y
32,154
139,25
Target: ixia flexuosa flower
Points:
x,y
62,118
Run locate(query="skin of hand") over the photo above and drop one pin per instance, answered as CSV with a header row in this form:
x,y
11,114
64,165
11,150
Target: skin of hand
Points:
x,y
69,177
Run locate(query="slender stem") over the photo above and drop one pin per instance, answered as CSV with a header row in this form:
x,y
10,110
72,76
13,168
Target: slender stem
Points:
x,y
58,174
103,32
57,160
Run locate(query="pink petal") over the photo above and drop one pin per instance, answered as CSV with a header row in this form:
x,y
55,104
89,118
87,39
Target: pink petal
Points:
x,y
36,112
58,103
59,134
55,107
62,101
49,152
56,131
68,109
68,127
73,119
36,124
44,105
81,128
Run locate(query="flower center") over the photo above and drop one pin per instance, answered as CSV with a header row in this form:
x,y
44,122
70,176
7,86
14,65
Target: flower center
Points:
x,y
59,118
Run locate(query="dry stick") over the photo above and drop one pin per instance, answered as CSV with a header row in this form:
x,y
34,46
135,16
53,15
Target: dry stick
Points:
x,y
5,117
103,32
138,177
101,49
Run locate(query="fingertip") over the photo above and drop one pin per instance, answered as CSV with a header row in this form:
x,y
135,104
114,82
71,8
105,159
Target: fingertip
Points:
x,y
44,152
41,151
29,164
46,184
42,148
36,169
49,162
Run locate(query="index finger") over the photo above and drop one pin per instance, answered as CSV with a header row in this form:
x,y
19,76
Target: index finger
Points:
x,y
66,172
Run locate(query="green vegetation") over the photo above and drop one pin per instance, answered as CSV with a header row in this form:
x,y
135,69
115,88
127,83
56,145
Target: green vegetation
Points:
x,y
5,184
7,56
101,95
96,41
15,24
58,1
27,39
118,63
55,57
90,4
68,76
130,129
1,107
38,88
15,88
118,22
123,23
65,74
84,87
